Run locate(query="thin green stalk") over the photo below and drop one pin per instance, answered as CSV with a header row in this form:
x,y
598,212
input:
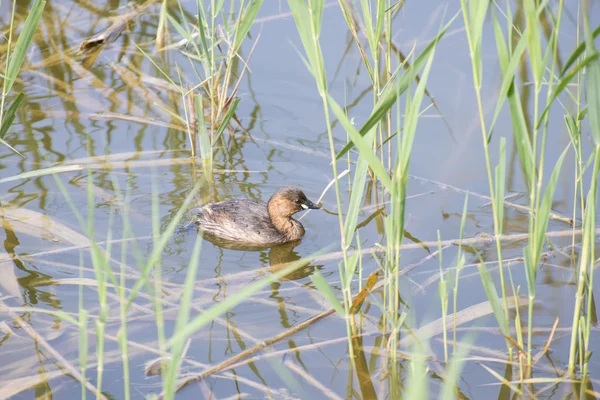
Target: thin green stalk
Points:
x,y
5,84
474,42
13,65
443,293
122,335
592,249
159,318
183,317
83,334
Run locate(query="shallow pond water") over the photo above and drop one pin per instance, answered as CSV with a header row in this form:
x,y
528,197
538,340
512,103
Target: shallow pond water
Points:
x,y
110,117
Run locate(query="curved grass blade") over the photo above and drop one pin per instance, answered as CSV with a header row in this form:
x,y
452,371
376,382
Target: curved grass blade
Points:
x,y
361,144
577,52
326,291
492,295
246,21
7,121
508,71
565,81
541,219
23,42
226,119
9,117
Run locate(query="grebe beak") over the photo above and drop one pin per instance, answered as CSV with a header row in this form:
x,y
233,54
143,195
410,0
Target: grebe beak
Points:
x,y
309,204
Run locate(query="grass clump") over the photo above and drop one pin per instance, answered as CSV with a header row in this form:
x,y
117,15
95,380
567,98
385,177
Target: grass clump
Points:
x,y
211,42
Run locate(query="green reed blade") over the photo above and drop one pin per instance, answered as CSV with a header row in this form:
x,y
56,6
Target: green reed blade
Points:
x,y
492,295
226,119
534,47
361,144
508,73
183,316
453,376
245,22
326,291
520,128
303,22
316,11
203,40
500,173
477,14
541,218
583,65
83,347
593,83
368,28
8,118
22,45
7,121
356,194
203,136
411,120
577,52
417,386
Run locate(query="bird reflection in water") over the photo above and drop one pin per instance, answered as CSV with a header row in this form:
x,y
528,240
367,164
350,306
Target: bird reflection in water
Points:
x,y
280,256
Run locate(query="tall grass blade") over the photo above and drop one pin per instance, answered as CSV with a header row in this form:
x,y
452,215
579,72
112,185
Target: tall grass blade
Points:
x,y
450,385
508,72
22,45
541,218
578,51
247,19
356,194
495,303
8,118
203,135
304,24
183,317
477,12
326,291
500,184
593,83
226,119
509,90
534,47
361,144
583,65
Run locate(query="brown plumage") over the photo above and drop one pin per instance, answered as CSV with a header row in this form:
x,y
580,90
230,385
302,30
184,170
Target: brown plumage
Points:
x,y
256,223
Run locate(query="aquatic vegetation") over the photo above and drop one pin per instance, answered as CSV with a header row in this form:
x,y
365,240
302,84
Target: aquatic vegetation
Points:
x,y
404,286
12,64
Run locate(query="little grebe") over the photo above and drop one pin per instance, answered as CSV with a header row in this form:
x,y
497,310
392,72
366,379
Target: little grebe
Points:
x,y
253,222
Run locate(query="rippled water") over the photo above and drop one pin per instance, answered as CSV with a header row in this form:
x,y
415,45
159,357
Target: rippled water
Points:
x,y
114,111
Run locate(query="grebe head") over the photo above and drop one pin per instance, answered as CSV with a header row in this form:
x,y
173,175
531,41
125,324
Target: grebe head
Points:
x,y
287,201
